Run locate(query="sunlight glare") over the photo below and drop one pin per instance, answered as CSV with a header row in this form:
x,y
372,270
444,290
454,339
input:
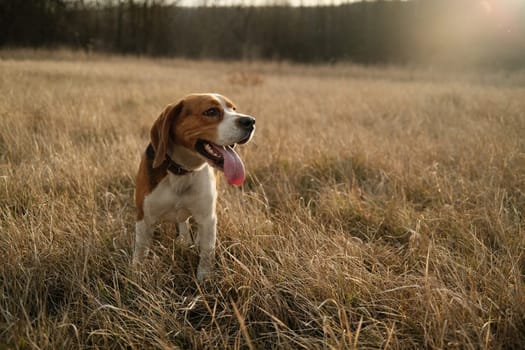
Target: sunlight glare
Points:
x,y
486,6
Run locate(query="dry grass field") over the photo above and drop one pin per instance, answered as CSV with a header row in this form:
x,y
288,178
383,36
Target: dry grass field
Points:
x,y
384,208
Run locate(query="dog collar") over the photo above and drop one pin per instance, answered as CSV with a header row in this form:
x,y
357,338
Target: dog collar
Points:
x,y
175,168
170,165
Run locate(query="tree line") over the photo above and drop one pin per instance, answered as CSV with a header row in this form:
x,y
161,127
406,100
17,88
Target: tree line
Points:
x,y
446,31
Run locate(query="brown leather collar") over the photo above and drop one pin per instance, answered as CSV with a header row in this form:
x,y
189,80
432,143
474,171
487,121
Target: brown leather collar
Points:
x,y
170,165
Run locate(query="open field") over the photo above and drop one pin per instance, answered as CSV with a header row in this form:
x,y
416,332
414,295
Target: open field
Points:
x,y
384,208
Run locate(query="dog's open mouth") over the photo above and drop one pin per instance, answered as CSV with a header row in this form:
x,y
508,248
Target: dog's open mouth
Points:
x,y
223,158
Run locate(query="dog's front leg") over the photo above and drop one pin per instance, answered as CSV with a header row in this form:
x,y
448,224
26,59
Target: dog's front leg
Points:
x,y
207,228
184,236
143,236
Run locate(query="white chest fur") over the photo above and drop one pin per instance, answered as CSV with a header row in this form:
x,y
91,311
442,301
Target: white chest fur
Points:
x,y
177,197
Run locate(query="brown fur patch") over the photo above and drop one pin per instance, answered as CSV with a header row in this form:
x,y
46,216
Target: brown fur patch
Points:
x,y
161,131
147,179
193,124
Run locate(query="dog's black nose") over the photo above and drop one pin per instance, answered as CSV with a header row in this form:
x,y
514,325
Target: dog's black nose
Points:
x,y
246,123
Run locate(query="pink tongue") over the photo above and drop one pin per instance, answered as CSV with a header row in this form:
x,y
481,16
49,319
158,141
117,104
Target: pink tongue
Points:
x,y
233,166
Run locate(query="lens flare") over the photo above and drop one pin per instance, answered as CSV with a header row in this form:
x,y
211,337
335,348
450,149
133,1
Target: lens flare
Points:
x,y
486,7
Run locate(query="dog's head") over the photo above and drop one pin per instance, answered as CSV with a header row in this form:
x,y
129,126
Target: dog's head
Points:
x,y
209,127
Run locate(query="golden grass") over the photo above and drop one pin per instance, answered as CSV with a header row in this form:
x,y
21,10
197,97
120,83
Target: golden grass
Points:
x,y
384,208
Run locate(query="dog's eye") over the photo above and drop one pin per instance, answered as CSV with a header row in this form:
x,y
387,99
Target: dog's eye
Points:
x,y
212,112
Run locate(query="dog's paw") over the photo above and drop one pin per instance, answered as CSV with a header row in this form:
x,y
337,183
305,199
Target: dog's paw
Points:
x,y
184,241
203,273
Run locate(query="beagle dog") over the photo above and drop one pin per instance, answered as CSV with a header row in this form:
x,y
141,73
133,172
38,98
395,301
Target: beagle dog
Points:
x,y
176,179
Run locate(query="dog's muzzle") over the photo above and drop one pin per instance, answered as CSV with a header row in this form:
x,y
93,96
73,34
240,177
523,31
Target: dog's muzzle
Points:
x,y
247,124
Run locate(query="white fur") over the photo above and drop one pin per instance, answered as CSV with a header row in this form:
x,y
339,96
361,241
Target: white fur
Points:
x,y
175,199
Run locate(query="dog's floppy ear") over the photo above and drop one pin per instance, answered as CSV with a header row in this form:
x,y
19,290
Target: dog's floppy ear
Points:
x,y
161,132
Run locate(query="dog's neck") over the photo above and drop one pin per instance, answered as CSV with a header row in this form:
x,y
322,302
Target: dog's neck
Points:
x,y
185,158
